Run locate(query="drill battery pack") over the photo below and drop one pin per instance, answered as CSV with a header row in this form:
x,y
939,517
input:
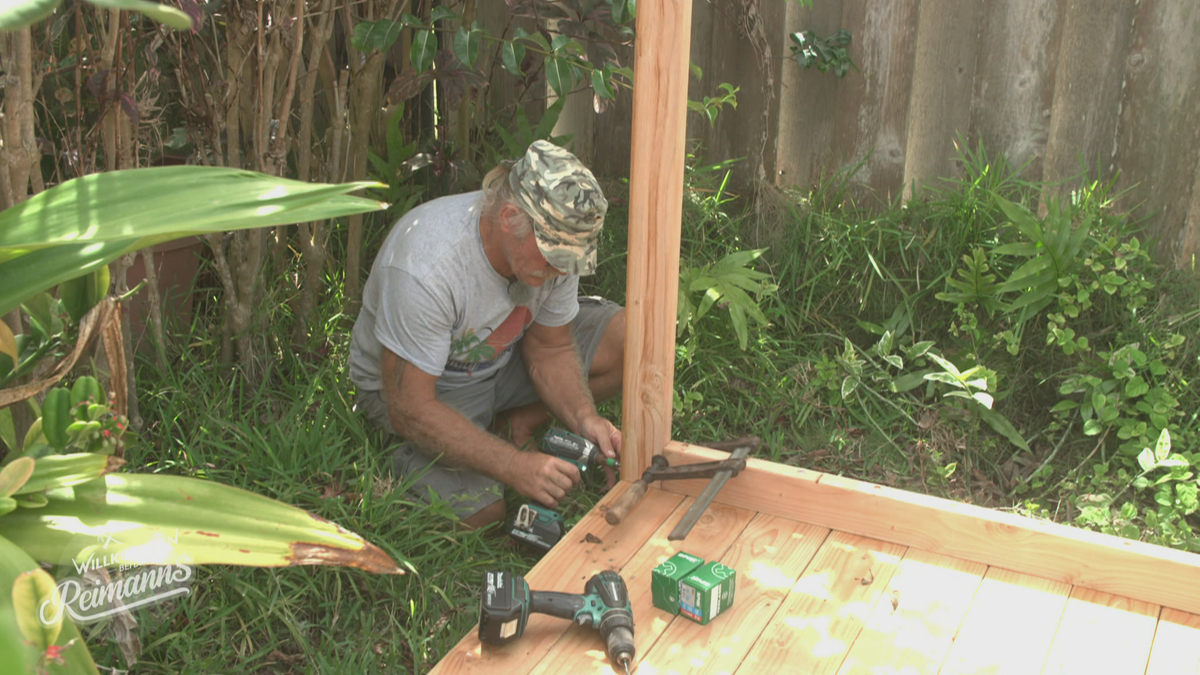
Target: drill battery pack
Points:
x,y
537,527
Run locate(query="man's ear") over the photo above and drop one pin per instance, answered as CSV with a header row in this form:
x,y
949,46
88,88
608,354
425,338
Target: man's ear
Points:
x,y
508,217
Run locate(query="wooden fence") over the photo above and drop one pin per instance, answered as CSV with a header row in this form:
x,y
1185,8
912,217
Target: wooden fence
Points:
x,y
1113,85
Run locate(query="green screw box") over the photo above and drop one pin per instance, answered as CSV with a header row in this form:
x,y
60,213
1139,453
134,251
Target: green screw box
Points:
x,y
664,580
707,592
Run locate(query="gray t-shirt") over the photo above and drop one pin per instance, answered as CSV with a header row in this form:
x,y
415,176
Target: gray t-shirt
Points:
x,y
434,300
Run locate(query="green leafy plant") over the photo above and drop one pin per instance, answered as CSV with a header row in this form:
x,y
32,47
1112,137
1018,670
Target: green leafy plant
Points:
x,y
48,500
730,282
813,51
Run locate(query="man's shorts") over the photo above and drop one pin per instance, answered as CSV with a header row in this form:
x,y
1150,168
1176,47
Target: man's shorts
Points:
x,y
469,492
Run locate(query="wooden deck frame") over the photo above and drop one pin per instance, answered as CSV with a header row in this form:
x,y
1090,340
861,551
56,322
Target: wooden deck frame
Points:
x,y
1128,572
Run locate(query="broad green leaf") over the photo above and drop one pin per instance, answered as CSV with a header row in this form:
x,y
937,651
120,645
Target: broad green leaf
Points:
x,y
1092,427
1162,447
56,417
8,431
159,518
40,309
511,55
1136,387
164,14
16,14
14,475
466,45
85,223
909,382
8,342
558,75
58,471
1002,426
946,365
77,660
1146,460
849,384
376,35
894,360
423,51
601,86
983,398
29,591
1064,406
81,294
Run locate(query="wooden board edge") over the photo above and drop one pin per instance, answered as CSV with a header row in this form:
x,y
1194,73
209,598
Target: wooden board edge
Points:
x,y
1053,551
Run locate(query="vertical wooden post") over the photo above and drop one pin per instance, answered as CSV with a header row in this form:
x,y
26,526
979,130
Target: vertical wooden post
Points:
x,y
655,209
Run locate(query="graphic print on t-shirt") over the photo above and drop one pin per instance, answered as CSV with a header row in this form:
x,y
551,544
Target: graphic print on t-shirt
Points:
x,y
472,352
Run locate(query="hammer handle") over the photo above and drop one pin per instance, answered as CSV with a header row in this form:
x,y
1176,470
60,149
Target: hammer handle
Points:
x,y
628,500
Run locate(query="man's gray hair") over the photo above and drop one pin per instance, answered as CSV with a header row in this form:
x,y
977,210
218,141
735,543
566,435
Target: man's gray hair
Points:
x,y
497,193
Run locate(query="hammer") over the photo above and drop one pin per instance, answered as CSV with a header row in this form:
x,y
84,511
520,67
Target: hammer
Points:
x,y
659,469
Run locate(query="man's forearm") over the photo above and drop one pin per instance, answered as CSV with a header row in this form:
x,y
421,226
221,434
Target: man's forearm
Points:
x,y
438,429
558,378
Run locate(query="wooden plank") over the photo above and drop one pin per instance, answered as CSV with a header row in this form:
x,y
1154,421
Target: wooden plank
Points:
x,y
1014,80
1103,633
806,94
826,609
567,567
871,110
1010,626
768,557
943,77
913,626
1087,87
664,29
582,651
1176,648
1159,143
1057,552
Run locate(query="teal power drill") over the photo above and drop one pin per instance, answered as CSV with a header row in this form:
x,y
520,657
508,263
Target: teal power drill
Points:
x,y
507,603
541,528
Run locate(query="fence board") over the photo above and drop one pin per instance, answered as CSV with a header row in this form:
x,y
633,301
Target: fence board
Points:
x,y
1083,118
805,114
943,75
871,109
1158,111
1014,80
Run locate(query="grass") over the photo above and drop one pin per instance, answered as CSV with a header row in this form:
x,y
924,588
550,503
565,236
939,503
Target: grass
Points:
x,y
845,276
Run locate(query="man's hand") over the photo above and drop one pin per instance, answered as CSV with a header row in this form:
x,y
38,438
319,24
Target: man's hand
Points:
x,y
607,437
543,478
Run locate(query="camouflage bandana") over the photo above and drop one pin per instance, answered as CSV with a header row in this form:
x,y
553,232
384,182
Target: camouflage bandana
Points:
x,y
565,203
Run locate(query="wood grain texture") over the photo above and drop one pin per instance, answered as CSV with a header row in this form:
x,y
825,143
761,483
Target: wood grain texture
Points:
x,y
655,209
1103,633
826,609
1176,649
1010,610
871,108
1014,80
1083,118
567,567
1049,550
913,625
1158,110
943,77
805,125
582,651
768,557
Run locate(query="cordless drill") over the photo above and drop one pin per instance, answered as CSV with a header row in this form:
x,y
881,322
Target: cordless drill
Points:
x,y
507,603
541,528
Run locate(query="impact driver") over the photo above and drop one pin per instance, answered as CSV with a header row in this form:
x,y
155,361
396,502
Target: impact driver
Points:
x,y
507,603
541,528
